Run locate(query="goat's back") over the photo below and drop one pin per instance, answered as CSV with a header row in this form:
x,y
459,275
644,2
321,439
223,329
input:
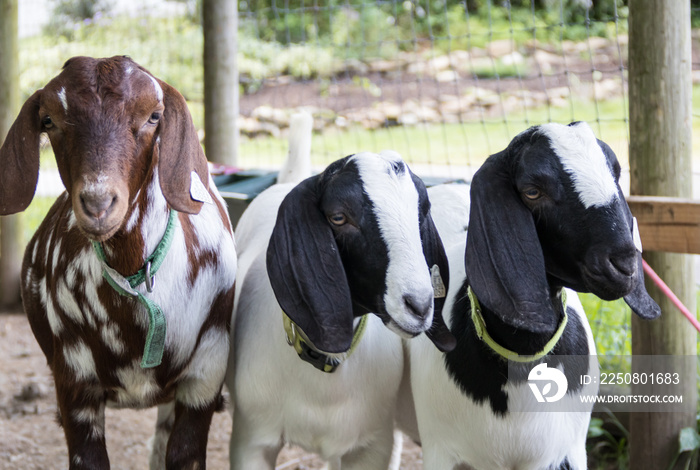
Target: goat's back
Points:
x,y
449,206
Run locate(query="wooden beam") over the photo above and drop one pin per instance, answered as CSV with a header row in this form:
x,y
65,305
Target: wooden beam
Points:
x,y
667,224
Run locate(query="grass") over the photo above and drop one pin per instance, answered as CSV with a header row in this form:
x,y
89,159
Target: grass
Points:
x,y
451,145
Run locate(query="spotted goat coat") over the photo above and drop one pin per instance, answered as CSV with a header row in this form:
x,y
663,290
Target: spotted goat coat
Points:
x,y
127,153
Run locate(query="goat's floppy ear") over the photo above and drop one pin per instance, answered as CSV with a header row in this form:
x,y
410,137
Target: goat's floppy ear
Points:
x,y
504,259
306,271
639,299
436,258
19,159
181,160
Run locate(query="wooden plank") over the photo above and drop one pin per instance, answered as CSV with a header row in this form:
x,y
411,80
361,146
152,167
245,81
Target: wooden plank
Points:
x,y
667,224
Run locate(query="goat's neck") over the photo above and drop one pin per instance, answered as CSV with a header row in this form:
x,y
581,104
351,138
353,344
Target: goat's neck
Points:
x,y
143,229
482,374
521,340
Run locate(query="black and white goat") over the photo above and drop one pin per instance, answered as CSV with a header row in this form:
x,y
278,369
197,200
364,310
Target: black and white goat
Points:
x,y
139,199
547,215
355,239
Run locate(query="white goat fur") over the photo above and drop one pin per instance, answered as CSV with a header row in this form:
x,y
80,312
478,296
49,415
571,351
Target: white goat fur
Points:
x,y
347,415
452,425
449,424
330,414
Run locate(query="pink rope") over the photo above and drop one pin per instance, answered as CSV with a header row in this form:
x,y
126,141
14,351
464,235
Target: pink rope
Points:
x,y
669,293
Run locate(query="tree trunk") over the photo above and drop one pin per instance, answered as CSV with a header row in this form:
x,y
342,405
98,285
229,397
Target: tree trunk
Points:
x,y
220,24
660,90
10,249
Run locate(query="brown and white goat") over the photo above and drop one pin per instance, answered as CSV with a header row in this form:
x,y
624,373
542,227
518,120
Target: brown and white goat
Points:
x,y
129,157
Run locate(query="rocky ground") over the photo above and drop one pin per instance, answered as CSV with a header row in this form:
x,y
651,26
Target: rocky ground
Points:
x,y
443,88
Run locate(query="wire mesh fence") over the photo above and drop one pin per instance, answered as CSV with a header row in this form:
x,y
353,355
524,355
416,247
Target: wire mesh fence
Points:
x,y
443,82
440,82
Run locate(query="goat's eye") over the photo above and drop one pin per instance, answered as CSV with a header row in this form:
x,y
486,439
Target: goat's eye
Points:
x,y
46,122
337,219
532,193
155,117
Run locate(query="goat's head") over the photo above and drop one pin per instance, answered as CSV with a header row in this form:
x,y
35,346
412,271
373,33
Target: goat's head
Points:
x,y
548,212
110,122
355,239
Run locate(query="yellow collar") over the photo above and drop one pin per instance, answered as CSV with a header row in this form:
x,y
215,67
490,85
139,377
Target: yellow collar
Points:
x,y
480,326
322,361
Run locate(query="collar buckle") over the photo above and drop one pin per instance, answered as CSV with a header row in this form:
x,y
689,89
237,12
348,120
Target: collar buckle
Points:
x,y
320,360
150,279
290,333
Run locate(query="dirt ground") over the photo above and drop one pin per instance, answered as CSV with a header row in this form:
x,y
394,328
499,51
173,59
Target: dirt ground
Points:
x,y
30,438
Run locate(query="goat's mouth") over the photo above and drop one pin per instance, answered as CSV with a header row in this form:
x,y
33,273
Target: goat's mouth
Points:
x,y
98,230
608,284
99,235
408,326
401,330
99,215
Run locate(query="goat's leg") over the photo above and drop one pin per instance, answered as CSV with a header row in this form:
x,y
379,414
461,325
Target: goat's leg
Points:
x,y
82,416
395,463
436,458
376,455
187,446
332,464
576,460
248,449
164,426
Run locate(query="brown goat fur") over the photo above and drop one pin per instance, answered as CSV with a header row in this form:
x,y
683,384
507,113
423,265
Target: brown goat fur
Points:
x,y
128,155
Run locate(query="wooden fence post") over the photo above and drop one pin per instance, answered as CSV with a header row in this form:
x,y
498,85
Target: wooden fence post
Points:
x,y
220,24
10,249
660,91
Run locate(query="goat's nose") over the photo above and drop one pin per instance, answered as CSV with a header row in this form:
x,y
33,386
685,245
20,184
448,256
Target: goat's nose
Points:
x,y
417,306
97,205
625,264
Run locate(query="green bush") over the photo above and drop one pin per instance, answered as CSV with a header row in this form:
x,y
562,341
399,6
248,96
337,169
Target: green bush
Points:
x,y
360,29
69,14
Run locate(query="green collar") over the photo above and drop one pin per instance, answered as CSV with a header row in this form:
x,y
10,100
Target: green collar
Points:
x,y
480,326
155,340
321,361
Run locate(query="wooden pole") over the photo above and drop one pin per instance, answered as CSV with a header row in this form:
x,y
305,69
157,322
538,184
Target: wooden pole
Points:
x,y
660,90
10,245
220,24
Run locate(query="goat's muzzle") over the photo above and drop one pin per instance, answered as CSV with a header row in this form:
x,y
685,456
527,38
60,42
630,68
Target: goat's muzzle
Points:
x,y
611,273
418,306
99,211
413,316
